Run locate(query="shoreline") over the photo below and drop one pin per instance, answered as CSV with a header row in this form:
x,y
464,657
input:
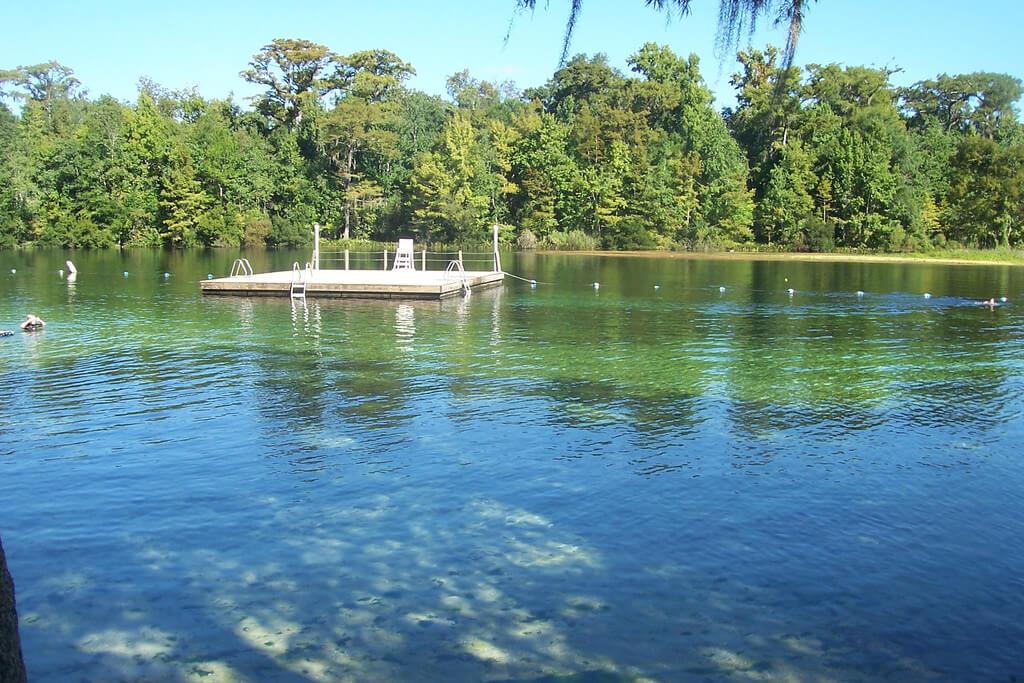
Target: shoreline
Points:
x,y
831,257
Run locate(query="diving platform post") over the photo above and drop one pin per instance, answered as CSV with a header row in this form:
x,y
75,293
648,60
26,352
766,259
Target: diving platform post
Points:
x,y
316,247
497,258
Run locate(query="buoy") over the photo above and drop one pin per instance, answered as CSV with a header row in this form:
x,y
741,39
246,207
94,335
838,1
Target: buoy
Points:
x,y
860,292
722,288
533,284
791,291
60,271
166,275
126,273
597,285
1003,299
656,287
13,271
785,279
927,295
209,276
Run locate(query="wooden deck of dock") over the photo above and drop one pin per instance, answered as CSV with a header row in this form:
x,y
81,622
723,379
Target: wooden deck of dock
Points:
x,y
374,284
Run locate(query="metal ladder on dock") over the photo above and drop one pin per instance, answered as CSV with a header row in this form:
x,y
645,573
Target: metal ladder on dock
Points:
x,y
298,288
456,265
241,266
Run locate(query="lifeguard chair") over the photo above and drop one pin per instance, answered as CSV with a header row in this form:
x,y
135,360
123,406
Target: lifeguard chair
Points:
x,y
404,256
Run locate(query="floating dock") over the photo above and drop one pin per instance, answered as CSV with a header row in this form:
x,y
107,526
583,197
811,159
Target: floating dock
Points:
x,y
398,279
371,284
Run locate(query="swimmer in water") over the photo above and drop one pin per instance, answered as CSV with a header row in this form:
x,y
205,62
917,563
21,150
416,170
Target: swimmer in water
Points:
x,y
32,322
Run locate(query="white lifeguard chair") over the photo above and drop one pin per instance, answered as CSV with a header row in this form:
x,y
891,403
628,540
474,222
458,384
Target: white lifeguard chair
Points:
x,y
404,256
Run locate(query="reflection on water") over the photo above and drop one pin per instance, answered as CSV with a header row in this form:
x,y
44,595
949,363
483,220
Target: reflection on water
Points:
x,y
673,483
405,326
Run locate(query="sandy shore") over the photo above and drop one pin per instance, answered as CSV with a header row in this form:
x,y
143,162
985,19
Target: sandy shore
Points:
x,y
784,256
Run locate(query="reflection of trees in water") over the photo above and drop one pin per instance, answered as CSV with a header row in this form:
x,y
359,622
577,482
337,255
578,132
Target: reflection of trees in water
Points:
x,y
357,372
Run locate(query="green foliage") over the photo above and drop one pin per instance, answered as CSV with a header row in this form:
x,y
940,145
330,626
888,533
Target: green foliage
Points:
x,y
573,240
288,232
810,159
816,235
526,240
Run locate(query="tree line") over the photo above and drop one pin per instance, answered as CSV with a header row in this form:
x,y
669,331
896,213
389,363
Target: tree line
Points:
x,y
810,158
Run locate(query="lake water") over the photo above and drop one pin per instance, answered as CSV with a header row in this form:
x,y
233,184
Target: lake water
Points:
x,y
614,483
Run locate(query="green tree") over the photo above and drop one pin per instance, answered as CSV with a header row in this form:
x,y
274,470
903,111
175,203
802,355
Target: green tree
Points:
x,y
984,103
986,199
296,74
788,195
543,171
182,202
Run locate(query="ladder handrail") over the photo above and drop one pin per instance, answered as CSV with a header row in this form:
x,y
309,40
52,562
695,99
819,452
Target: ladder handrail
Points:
x,y
298,286
456,264
241,266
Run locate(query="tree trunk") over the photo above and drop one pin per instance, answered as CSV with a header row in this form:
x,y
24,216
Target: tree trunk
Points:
x,y
12,666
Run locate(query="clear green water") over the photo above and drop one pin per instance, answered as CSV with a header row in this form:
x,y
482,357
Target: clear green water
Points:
x,y
615,483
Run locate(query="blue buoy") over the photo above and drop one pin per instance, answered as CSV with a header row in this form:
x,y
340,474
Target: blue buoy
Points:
x,y
166,275
126,273
1003,299
209,276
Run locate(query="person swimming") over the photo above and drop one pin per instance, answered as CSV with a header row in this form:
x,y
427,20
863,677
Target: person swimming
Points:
x,y
32,322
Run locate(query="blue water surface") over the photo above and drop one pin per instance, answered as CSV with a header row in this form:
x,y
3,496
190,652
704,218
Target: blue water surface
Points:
x,y
613,483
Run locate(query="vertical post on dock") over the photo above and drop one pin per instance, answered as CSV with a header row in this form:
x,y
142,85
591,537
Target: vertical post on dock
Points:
x,y
497,258
346,259
385,259
316,246
460,257
423,259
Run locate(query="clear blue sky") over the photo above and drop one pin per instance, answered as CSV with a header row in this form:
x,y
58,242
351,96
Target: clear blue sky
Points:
x,y
206,43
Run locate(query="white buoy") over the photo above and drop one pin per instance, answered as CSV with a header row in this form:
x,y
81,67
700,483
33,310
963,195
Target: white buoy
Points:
x,y
1003,299
927,295
860,292
60,271
597,285
722,288
533,284
656,287
13,271
166,275
126,273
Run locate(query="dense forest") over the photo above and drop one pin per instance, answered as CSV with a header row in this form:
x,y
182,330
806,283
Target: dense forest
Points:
x,y
810,158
